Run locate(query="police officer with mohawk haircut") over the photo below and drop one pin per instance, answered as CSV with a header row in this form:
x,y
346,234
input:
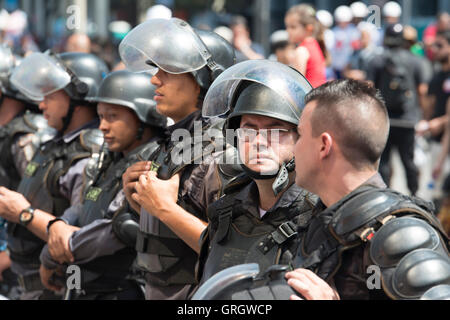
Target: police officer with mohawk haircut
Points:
x,y
131,127
52,182
360,226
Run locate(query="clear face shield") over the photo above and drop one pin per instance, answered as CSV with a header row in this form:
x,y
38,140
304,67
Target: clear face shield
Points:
x,y
285,81
171,45
39,75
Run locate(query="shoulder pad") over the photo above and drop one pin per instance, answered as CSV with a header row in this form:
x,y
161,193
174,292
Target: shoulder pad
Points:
x,y
126,227
92,140
44,135
416,273
400,236
147,151
236,184
35,121
441,292
363,208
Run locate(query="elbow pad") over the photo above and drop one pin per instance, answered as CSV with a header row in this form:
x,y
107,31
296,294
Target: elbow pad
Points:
x,y
126,228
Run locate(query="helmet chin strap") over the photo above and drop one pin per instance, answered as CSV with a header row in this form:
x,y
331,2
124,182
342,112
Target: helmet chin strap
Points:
x,y
68,118
140,133
281,178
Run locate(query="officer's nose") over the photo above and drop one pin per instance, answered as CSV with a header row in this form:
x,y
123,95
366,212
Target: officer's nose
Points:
x,y
103,126
42,105
261,138
156,79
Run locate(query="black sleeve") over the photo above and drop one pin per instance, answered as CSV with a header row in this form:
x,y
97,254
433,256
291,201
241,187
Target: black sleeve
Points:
x,y
433,88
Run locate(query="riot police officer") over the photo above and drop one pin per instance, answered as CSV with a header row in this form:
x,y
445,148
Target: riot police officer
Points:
x,y
256,221
22,130
187,61
364,241
131,127
52,181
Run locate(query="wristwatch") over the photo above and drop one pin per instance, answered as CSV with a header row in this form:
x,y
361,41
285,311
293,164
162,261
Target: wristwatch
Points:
x,y
26,216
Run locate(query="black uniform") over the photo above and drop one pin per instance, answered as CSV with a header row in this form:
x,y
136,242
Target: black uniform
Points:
x,y
237,234
169,262
373,226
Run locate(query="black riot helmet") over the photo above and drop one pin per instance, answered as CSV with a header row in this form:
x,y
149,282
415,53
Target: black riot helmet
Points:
x,y
133,91
78,74
175,47
87,72
253,98
258,87
223,56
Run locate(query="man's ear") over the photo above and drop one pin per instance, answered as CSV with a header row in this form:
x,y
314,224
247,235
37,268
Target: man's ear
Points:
x,y
326,145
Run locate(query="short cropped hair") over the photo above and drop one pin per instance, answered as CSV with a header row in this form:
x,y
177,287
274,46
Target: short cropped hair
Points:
x,y
355,113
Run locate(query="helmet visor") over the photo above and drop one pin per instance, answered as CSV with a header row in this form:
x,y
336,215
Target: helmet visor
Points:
x,y
38,76
171,45
285,81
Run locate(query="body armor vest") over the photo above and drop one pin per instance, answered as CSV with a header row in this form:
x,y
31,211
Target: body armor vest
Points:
x,y
176,260
40,186
242,238
29,123
105,186
406,243
353,222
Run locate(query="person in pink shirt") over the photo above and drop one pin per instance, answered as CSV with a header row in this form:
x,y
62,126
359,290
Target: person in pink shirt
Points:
x,y
429,35
306,32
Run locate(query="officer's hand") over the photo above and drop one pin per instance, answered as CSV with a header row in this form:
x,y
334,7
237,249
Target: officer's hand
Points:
x,y
155,195
12,204
310,286
130,178
46,275
58,242
5,263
